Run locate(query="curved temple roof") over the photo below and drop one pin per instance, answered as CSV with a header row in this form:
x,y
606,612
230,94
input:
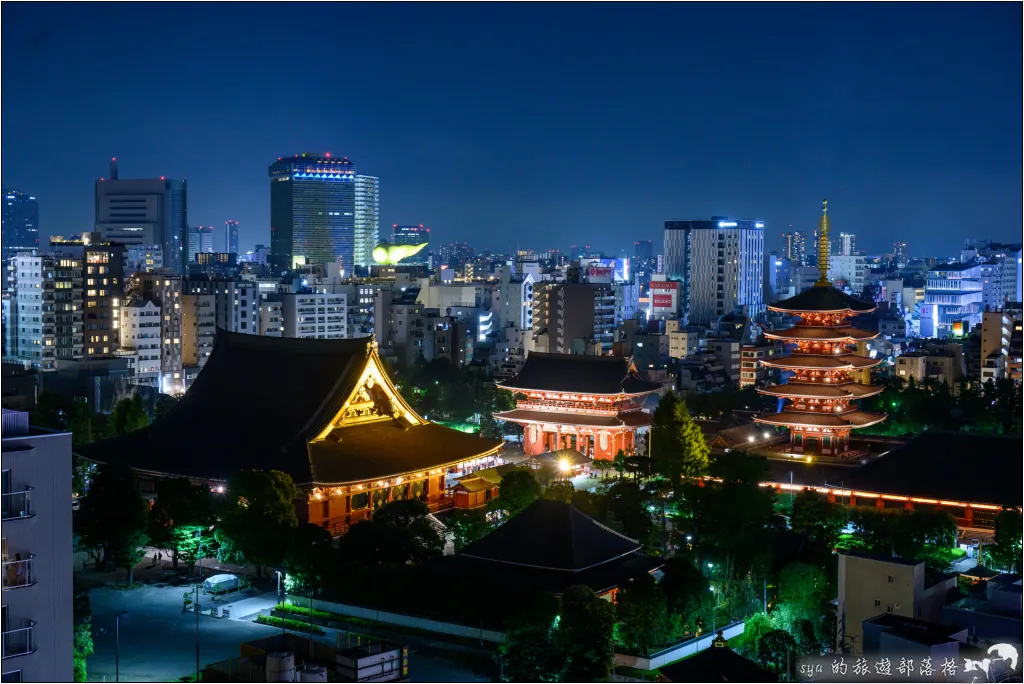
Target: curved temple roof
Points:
x,y
809,333
820,362
814,390
824,419
820,299
580,374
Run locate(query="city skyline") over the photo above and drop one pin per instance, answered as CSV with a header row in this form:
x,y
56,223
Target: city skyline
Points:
x,y
507,149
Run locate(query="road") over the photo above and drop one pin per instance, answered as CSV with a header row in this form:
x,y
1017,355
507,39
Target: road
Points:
x,y
157,639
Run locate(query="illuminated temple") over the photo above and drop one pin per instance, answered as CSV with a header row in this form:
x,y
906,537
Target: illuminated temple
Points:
x,y
821,394
322,411
593,404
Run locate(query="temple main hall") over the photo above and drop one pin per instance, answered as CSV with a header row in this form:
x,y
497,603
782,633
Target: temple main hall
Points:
x,y
323,411
821,394
593,404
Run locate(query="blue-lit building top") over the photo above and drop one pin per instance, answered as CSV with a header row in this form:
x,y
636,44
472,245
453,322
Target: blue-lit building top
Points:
x,y
20,230
313,211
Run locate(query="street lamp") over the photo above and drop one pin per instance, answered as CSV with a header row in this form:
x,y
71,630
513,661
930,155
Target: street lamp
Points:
x,y
279,576
117,645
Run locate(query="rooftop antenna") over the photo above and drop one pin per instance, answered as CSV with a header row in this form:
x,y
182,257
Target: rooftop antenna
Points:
x,y
113,168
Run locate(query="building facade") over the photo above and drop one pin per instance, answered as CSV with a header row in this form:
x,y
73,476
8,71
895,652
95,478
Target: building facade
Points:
x,y
164,291
720,264
314,315
952,300
38,594
47,316
140,340
322,211
19,230
145,212
412,235
231,237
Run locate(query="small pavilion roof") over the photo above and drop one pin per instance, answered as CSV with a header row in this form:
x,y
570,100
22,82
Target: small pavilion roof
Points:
x,y
580,374
821,299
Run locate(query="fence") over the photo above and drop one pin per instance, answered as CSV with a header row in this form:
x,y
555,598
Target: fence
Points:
x,y
673,653
400,620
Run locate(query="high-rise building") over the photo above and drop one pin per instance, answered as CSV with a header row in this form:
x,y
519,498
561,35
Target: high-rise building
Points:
x,y
198,328
847,244
46,312
321,211
1004,271
795,247
850,271
165,292
143,259
38,568
313,315
231,237
199,240
20,226
102,289
720,264
145,212
574,317
140,340
644,264
899,254
412,235
237,303
952,300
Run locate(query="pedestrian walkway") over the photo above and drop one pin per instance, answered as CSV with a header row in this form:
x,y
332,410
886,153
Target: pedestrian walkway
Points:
x,y
248,608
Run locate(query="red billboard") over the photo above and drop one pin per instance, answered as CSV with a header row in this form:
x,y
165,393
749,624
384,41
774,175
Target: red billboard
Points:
x,y
662,301
601,271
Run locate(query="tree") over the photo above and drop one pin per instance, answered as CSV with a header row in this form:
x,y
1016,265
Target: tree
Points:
x,y
181,512
83,646
584,636
817,518
113,518
310,556
1006,552
677,445
803,586
641,608
687,593
127,415
626,505
468,525
775,648
560,490
398,533
529,638
517,490
259,517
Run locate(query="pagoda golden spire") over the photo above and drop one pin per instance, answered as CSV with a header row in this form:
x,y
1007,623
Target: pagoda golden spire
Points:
x,y
823,245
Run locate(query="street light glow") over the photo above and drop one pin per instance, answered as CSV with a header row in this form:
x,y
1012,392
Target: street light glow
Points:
x,y
564,465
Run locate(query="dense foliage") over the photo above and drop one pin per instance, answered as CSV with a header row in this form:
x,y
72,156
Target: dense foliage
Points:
x,y
113,520
994,408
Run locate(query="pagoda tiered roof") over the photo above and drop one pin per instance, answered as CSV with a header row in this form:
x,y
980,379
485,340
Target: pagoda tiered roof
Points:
x,y
820,362
822,419
819,390
813,333
822,298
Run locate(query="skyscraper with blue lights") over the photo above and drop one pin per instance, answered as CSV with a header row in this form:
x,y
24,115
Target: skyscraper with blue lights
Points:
x,y
321,211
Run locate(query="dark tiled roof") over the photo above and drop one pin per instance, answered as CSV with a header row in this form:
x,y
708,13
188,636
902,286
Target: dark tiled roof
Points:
x,y
822,298
824,361
633,418
391,447
948,466
853,419
716,665
853,390
586,374
552,535
256,404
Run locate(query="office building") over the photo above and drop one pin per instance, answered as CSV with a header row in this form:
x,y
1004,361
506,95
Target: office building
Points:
x,y
19,230
952,300
644,264
143,259
849,272
165,292
720,264
313,315
144,212
271,324
899,254
46,316
321,211
574,318
847,244
140,340
231,237
237,302
198,329
795,247
199,241
102,289
412,235
38,591
1002,267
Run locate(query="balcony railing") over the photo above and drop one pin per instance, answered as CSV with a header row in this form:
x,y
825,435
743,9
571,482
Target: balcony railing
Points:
x,y
18,574
17,505
19,641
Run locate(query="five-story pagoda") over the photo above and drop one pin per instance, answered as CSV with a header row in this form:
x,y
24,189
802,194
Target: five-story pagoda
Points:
x,y
821,394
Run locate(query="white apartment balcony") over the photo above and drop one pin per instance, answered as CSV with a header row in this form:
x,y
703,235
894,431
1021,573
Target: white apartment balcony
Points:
x,y
18,574
17,505
18,638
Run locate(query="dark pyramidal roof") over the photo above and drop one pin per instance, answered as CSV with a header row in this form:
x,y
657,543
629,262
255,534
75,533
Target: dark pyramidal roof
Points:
x,y
584,374
822,298
259,400
552,535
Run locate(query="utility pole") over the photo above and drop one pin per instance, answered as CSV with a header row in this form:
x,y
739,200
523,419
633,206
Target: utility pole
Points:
x,y
196,608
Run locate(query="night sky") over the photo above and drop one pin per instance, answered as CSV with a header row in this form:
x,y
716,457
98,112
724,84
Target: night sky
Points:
x,y
534,125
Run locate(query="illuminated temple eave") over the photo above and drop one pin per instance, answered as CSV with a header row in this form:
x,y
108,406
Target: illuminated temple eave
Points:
x,y
790,423
581,395
409,476
780,391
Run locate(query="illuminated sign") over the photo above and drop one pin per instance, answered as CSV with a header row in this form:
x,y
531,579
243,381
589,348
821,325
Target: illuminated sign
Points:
x,y
664,285
759,225
726,224
662,301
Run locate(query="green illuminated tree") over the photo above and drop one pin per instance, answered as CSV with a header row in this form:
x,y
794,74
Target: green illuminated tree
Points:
x,y
641,608
517,490
677,446
584,636
468,525
1005,554
259,517
113,518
